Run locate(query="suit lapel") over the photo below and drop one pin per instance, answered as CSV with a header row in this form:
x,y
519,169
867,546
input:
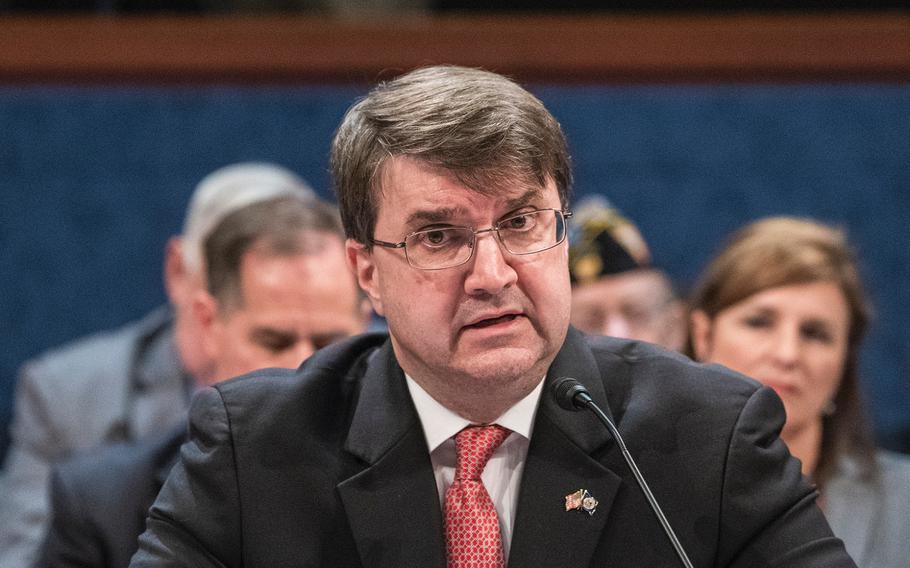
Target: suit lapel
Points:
x,y
562,458
392,505
159,388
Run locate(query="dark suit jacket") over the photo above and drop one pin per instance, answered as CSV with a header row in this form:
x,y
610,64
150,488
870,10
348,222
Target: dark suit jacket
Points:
x,y
99,502
328,466
114,386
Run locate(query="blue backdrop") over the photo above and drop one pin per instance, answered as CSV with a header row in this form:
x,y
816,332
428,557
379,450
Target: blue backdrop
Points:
x,y
93,180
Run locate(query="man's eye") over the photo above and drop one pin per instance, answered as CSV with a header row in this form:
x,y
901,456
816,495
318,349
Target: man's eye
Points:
x,y
320,341
276,344
637,314
519,223
437,238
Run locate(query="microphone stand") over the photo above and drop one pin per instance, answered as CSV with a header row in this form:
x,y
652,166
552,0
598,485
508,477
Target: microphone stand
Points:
x,y
572,395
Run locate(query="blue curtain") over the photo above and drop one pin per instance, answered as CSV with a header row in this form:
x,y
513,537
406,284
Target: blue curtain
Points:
x,y
93,181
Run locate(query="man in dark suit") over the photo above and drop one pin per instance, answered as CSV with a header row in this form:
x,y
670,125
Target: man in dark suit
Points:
x,y
440,444
99,501
123,384
278,289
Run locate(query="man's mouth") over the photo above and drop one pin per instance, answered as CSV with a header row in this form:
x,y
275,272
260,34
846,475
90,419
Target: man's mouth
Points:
x,y
493,321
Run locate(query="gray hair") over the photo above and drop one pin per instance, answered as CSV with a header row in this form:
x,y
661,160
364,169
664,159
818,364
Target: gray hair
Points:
x,y
228,189
482,127
285,226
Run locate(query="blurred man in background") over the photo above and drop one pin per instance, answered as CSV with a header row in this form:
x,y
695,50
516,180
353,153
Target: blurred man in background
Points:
x,y
278,289
616,291
123,384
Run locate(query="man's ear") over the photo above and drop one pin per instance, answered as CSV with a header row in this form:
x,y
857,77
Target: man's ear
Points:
x,y
360,260
175,275
205,312
677,325
700,328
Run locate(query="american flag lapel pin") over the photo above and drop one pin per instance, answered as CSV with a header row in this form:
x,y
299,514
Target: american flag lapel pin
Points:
x,y
581,500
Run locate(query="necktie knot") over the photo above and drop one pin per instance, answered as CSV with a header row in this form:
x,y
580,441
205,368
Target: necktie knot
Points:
x,y
474,445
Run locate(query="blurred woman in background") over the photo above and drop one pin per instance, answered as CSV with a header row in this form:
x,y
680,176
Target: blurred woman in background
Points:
x,y
784,304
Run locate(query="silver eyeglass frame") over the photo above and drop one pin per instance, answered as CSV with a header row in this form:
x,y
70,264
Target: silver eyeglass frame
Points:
x,y
562,217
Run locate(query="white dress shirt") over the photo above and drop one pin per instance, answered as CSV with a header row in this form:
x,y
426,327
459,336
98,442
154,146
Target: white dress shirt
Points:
x,y
502,474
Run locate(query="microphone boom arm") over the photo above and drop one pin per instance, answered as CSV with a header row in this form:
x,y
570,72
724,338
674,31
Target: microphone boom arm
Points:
x,y
572,395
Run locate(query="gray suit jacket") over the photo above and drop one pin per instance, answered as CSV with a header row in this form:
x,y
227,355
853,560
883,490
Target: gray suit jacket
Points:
x,y
328,466
112,386
873,516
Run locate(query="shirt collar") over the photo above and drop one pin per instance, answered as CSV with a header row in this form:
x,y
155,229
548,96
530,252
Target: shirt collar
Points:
x,y
440,423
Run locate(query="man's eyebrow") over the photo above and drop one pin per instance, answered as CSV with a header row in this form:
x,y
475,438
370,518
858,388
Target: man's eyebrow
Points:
x,y
524,199
432,215
442,214
272,334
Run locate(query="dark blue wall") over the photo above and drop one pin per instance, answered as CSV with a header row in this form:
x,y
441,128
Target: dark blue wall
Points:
x,y
94,180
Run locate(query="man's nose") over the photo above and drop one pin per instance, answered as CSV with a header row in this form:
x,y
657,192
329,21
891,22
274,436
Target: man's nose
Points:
x,y
293,357
489,271
617,326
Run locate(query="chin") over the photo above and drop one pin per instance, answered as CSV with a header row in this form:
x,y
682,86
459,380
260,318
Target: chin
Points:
x,y
505,365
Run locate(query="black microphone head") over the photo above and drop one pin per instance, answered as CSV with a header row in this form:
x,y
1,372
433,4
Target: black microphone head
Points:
x,y
566,391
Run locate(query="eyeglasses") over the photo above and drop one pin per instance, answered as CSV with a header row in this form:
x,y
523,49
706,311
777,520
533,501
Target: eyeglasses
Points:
x,y
447,247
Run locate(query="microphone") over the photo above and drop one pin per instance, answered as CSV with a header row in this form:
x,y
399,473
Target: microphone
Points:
x,y
572,395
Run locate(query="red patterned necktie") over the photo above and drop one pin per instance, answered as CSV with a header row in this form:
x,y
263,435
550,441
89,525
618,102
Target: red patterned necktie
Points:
x,y
472,527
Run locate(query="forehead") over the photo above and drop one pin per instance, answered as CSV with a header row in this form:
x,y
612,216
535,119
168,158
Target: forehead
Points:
x,y
816,299
645,286
298,283
412,190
